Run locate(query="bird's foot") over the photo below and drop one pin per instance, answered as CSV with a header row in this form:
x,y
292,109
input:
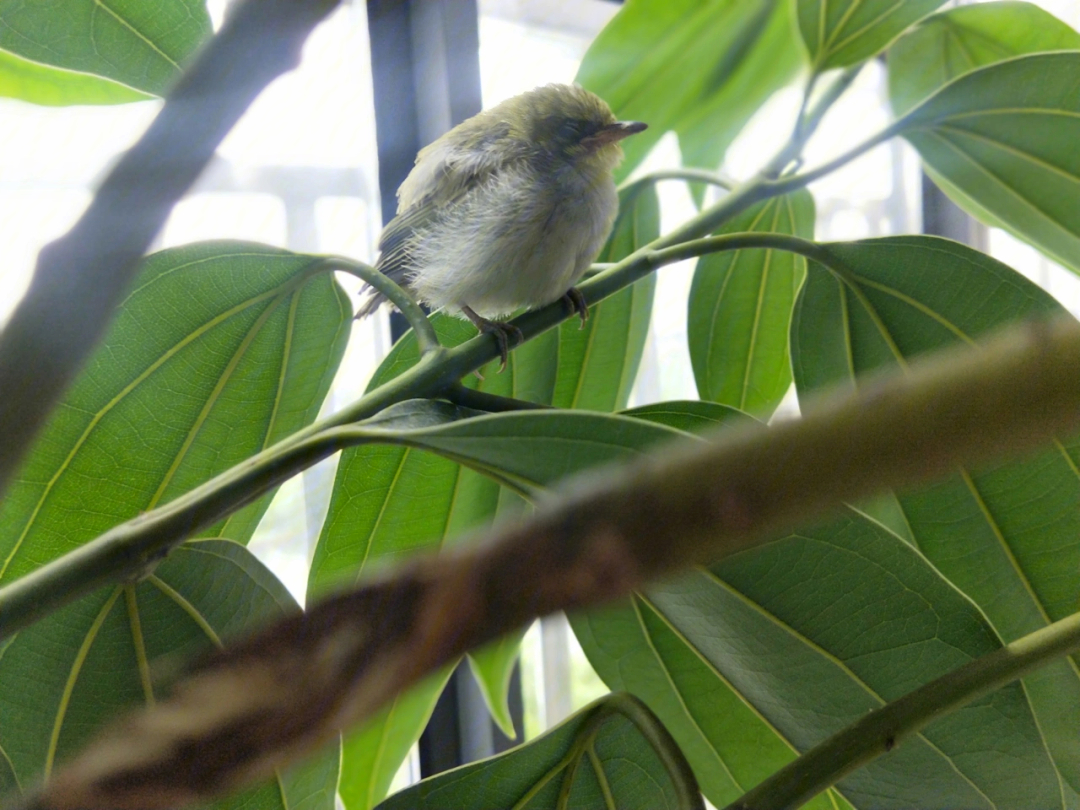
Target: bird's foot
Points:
x,y
576,302
503,333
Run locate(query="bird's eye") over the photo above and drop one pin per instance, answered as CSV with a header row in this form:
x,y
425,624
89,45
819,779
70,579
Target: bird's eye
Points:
x,y
570,131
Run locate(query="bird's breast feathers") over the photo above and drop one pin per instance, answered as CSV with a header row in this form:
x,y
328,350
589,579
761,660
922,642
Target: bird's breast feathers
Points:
x,y
514,240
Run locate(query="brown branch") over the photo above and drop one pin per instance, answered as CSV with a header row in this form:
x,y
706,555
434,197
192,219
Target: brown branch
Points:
x,y
280,694
80,278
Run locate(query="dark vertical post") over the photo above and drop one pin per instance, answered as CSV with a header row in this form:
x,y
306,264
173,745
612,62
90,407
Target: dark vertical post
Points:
x,y
425,65
943,217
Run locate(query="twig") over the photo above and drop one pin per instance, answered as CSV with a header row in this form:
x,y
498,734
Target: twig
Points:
x,y
426,339
492,403
686,173
128,549
241,713
81,277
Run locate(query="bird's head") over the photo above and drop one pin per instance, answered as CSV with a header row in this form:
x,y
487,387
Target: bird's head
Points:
x,y
568,123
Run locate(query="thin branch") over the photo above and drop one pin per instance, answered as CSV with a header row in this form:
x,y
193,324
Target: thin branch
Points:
x,y
131,548
81,277
285,691
808,120
687,174
492,403
882,729
426,338
784,185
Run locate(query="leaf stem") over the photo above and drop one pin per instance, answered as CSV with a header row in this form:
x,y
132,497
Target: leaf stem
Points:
x,y
880,730
687,173
792,182
492,403
426,339
808,120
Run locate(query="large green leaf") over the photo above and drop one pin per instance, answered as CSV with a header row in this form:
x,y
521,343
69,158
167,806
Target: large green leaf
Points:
x,y
525,450
40,84
727,743
803,636
697,67
1001,139
843,32
740,310
140,43
957,41
666,651
220,349
850,565
612,754
67,675
1008,536
391,502
765,64
598,363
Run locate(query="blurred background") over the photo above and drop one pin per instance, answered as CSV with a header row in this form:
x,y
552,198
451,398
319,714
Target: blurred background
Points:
x,y
314,164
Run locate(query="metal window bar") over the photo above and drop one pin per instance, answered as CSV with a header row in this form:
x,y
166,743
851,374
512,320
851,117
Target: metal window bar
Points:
x,y
425,67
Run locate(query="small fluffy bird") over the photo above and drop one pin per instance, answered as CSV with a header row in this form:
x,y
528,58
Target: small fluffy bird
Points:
x,y
508,209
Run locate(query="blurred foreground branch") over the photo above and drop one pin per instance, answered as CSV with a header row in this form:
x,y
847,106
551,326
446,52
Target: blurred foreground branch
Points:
x,y
280,694
81,277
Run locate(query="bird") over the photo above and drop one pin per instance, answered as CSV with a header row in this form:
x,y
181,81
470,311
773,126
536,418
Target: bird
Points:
x,y
507,210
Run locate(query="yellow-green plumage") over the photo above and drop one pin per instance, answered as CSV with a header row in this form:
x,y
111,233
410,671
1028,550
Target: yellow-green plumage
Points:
x,y
508,209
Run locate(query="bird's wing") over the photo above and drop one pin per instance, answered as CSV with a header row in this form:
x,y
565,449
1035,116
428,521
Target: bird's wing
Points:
x,y
444,173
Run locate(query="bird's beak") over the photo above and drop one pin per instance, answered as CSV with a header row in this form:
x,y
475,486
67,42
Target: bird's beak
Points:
x,y
613,133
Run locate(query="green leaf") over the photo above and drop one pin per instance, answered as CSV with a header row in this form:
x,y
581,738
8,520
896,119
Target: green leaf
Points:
x,y
740,310
1002,138
699,68
597,364
40,84
691,416
768,652
614,753
527,450
1008,536
220,349
140,43
768,63
368,755
493,666
72,672
389,503
957,41
644,655
842,32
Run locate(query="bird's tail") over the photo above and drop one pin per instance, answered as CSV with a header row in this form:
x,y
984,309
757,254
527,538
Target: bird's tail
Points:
x,y
374,300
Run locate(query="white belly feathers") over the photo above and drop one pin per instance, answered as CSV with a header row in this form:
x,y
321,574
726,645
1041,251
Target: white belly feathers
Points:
x,y
452,271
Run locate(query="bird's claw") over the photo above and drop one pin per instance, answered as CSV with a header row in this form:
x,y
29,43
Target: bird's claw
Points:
x,y
577,304
502,332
